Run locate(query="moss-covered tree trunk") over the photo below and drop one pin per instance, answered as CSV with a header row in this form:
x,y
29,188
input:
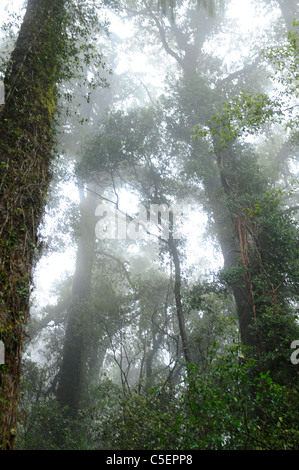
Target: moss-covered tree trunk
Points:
x,y
26,143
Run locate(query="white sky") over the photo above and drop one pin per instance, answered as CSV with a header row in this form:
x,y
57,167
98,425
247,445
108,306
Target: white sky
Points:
x,y
7,7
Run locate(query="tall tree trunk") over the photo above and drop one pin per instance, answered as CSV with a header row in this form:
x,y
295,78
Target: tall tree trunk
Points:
x,y
232,240
214,183
26,141
73,368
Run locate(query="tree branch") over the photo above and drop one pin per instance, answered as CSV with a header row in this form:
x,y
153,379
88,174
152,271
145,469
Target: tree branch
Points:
x,y
165,44
245,70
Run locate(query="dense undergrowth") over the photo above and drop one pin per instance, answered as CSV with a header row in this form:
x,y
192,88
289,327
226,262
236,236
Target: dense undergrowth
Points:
x,y
228,408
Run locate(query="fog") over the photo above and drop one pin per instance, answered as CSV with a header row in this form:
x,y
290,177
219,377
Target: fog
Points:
x,y
166,286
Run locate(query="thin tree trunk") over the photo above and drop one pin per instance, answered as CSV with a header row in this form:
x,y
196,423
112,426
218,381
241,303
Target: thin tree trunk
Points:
x,y
178,299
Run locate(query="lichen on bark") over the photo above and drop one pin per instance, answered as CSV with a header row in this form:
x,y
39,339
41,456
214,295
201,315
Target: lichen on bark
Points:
x,y
26,149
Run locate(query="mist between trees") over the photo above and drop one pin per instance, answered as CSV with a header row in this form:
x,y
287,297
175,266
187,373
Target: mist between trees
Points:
x,y
161,221
156,144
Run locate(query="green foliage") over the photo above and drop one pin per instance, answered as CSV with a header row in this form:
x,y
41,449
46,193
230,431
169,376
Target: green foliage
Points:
x,y
47,426
120,140
43,423
248,113
243,116
227,408
269,266
284,59
285,62
211,320
266,269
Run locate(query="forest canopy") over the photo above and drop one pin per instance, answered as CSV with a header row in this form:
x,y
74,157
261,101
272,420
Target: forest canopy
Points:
x,y
149,202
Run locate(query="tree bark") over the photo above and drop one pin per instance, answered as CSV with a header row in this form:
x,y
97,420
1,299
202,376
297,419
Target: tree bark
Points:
x,y
26,143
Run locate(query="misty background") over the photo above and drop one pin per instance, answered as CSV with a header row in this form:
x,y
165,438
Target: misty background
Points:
x,y
114,322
